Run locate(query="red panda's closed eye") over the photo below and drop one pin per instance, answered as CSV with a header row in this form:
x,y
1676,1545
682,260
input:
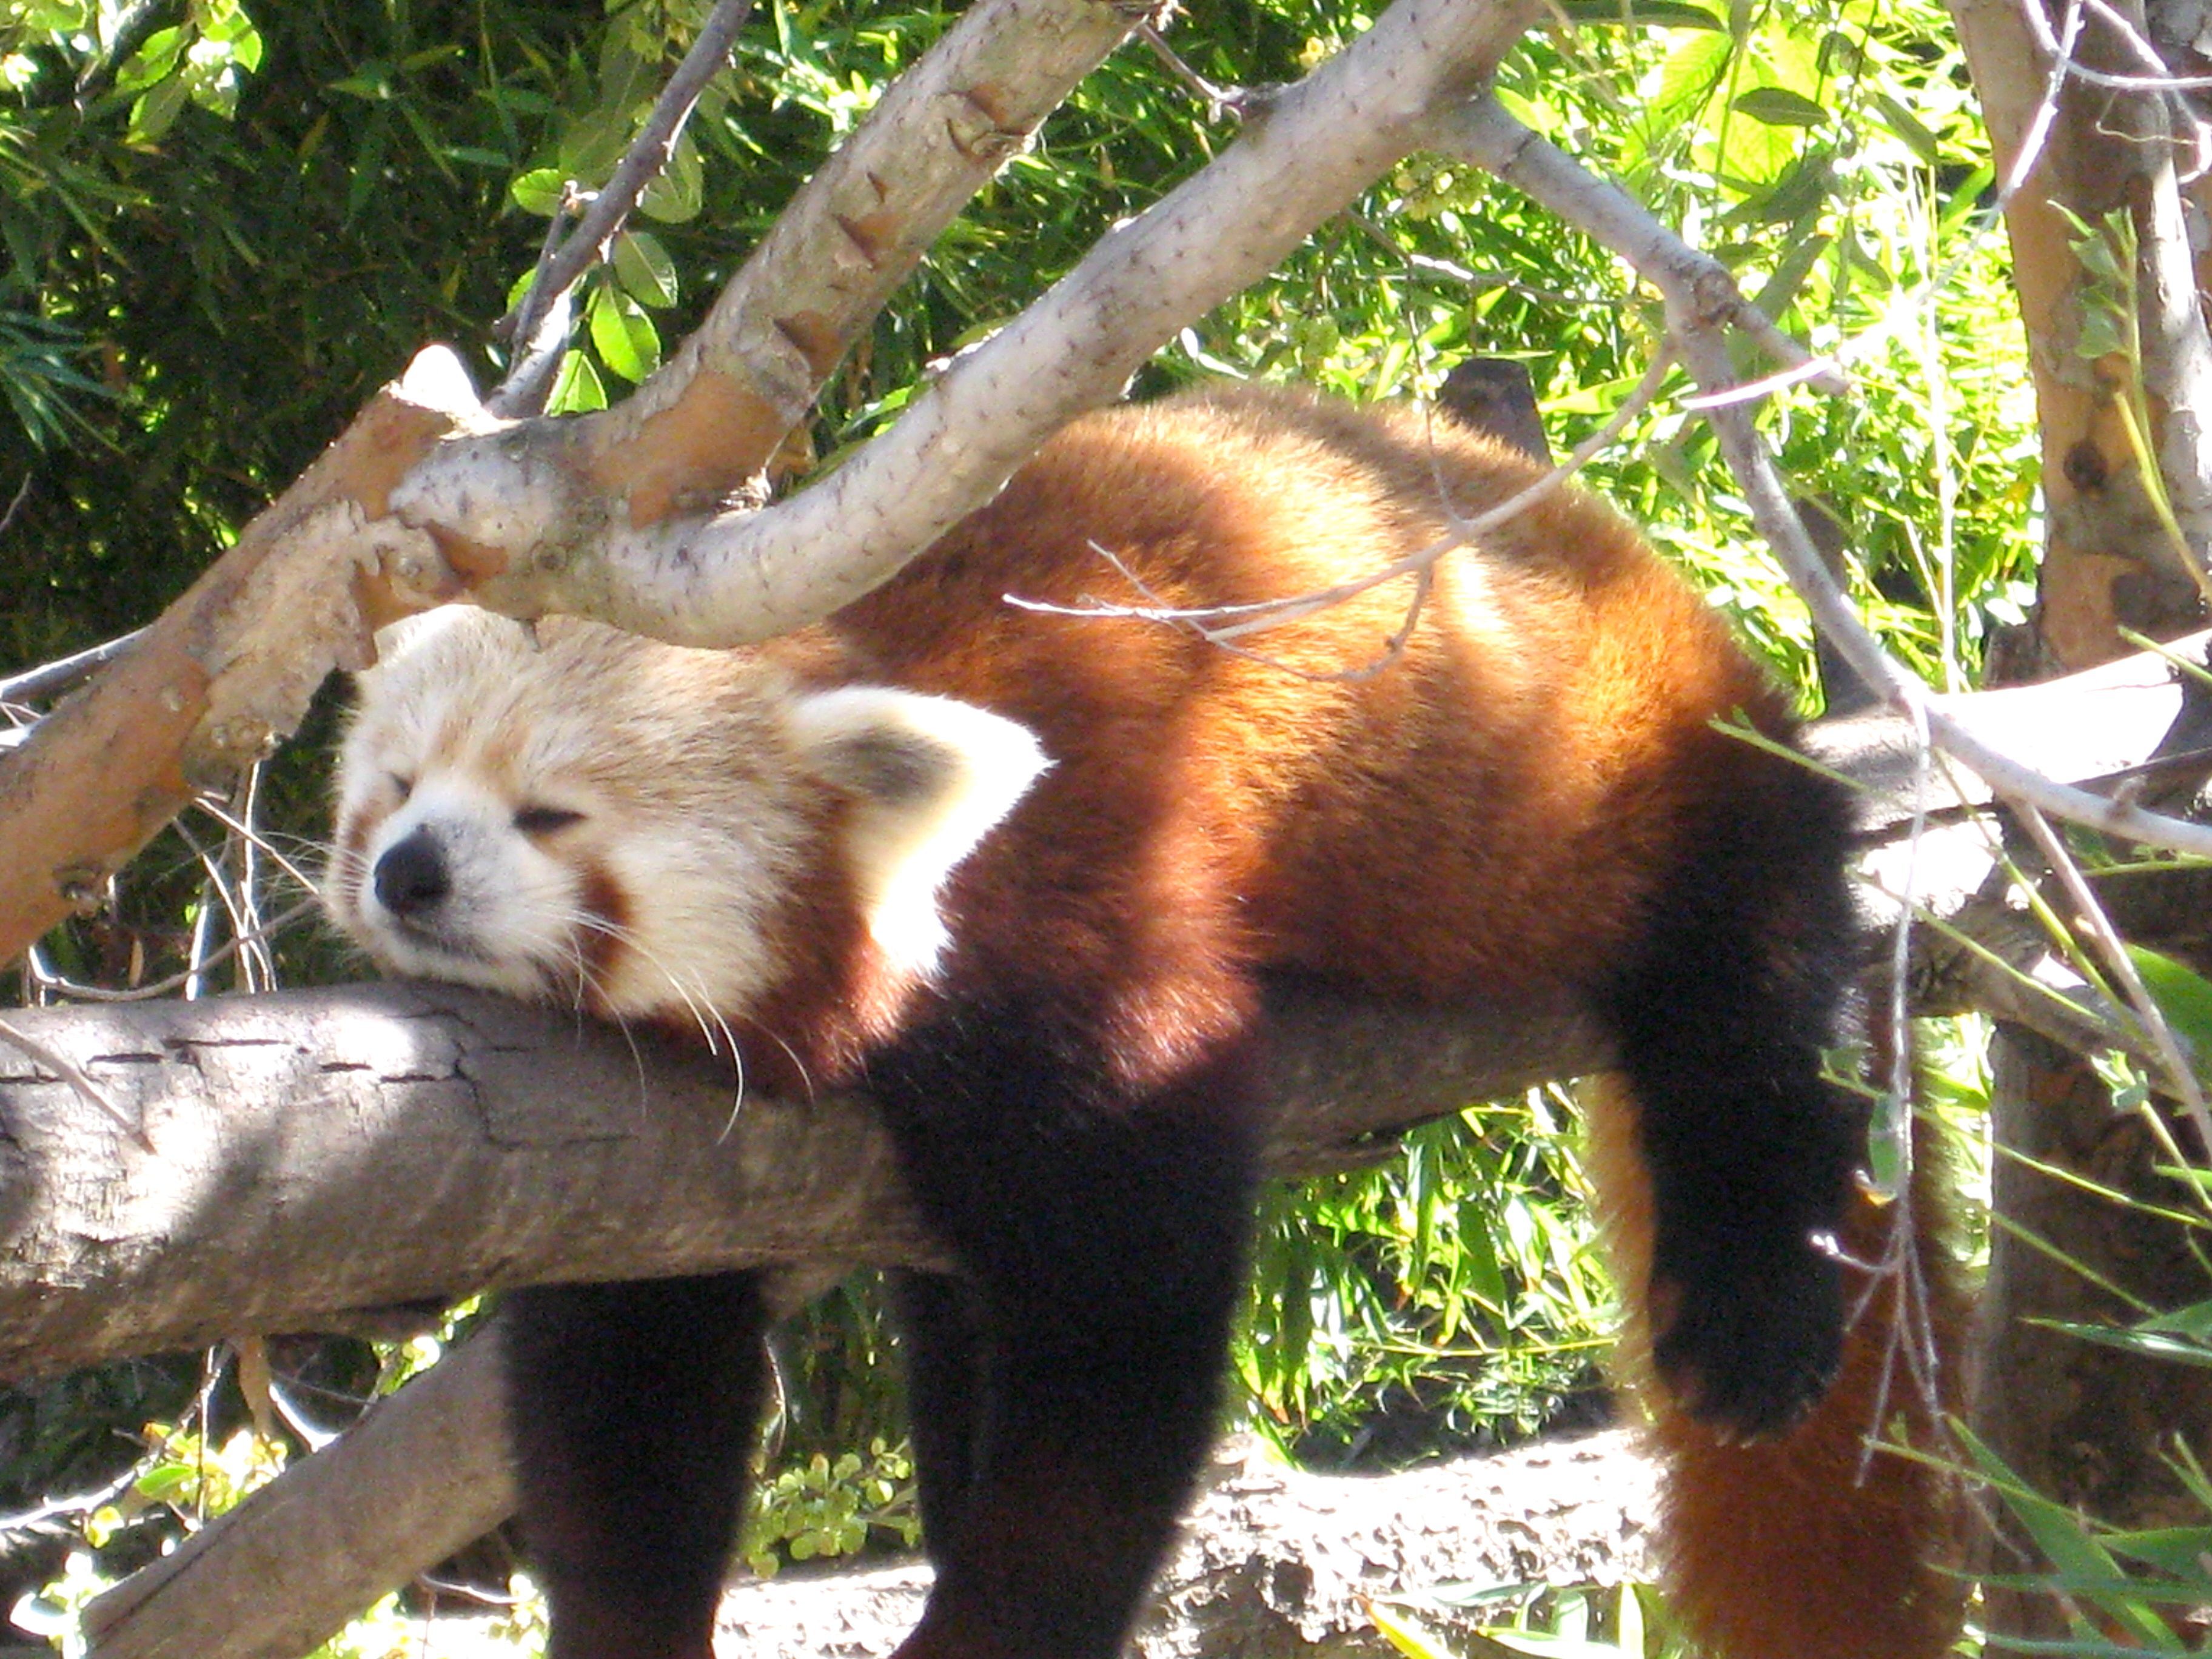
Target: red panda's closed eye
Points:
x,y
537,820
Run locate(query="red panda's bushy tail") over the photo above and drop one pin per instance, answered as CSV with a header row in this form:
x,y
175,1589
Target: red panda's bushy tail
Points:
x,y
1806,1546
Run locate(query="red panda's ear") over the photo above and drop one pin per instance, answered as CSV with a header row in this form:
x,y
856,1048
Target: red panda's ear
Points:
x,y
928,778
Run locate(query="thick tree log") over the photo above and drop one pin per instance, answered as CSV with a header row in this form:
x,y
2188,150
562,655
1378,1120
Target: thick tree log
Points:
x,y
325,1150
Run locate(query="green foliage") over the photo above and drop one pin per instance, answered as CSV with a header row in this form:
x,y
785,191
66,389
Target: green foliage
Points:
x,y
1450,1296
2118,1589
1587,1622
823,1508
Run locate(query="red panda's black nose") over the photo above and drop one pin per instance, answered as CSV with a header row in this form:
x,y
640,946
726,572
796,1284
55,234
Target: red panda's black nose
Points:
x,y
412,876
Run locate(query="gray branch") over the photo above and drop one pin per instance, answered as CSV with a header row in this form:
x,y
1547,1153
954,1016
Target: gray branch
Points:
x,y
321,1151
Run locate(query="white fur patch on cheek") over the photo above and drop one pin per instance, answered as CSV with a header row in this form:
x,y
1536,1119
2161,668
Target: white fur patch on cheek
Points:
x,y
693,945
929,777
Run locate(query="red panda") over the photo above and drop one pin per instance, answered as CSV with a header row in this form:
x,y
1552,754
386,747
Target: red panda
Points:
x,y
1022,874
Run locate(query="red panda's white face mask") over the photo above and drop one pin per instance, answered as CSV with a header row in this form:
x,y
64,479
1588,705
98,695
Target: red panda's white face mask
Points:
x,y
582,815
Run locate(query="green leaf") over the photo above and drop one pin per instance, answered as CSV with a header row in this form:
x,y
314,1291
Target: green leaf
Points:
x,y
153,62
2181,1550
539,190
1910,130
578,389
643,268
1794,196
622,334
164,1480
1778,107
679,192
1407,1635
2182,994
2069,1546
2102,334
591,146
2193,1321
155,113
2143,1340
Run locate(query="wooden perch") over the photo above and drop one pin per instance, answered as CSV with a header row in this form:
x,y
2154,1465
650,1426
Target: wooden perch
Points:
x,y
323,1150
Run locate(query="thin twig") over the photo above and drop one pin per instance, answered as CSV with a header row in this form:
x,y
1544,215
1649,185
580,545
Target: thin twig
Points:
x,y
1242,102
65,673
2161,78
1224,624
540,344
610,205
223,885
15,506
2060,51
68,1070
2181,1077
244,827
50,983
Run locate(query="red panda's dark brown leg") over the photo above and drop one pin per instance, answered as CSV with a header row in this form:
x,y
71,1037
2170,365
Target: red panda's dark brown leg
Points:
x,y
631,1408
1103,1235
1748,947
938,1323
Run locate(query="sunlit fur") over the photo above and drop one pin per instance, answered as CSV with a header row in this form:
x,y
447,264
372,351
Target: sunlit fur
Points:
x,y
661,899
942,842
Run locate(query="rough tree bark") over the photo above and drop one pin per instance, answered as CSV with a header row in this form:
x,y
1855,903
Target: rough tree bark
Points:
x,y
2108,561
2082,1424
481,1143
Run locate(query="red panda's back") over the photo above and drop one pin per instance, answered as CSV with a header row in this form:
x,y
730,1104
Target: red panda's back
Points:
x,y
1486,796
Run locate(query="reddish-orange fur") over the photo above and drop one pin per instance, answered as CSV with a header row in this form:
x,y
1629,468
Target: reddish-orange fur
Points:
x,y
1560,751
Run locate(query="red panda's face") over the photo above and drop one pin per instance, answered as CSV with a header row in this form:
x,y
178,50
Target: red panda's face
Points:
x,y
585,816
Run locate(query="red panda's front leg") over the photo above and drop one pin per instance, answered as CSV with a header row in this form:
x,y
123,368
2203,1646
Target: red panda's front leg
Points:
x,y
631,1408
1102,1231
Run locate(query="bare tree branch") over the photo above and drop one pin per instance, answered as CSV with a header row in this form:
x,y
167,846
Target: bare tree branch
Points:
x,y
96,780
531,532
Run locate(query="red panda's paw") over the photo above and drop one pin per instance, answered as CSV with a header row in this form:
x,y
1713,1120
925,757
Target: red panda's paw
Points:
x,y
1749,1338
